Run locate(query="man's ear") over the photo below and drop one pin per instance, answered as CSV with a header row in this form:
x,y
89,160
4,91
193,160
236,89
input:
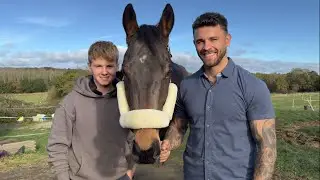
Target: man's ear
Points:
x,y
228,39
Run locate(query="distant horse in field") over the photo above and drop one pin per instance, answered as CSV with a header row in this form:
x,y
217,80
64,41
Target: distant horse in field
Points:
x,y
147,93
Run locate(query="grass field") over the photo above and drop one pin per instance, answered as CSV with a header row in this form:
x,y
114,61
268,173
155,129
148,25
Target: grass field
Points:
x,y
297,131
295,101
296,159
34,98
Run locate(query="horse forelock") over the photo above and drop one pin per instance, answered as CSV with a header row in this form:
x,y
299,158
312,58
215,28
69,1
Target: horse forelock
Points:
x,y
149,37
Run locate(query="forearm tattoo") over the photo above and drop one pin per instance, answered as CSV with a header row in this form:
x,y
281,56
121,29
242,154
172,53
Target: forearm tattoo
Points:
x,y
264,132
176,132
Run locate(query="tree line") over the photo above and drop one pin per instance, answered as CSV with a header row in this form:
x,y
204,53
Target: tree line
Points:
x,y
297,80
28,80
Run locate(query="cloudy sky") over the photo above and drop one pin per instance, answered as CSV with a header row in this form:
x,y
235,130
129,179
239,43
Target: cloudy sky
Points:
x,y
267,36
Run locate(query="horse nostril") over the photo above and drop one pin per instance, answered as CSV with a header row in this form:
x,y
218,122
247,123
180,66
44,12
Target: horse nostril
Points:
x,y
136,149
149,156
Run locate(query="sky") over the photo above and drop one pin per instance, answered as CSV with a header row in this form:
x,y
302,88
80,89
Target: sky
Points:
x,y
267,36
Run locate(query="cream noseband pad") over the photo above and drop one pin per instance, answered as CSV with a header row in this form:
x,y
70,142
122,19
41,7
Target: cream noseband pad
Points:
x,y
146,118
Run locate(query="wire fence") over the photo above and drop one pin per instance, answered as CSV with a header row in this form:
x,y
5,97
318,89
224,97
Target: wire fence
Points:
x,y
20,114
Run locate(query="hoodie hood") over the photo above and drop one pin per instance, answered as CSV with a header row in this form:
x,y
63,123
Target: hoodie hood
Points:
x,y
85,86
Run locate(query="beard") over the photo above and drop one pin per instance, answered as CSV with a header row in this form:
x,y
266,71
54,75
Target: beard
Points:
x,y
212,63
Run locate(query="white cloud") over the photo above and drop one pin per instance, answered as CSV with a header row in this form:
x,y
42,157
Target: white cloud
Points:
x,y
193,63
256,65
78,59
70,59
44,21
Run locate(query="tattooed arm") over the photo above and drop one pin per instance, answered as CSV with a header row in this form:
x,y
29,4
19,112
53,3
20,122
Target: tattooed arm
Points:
x,y
176,132
179,124
264,133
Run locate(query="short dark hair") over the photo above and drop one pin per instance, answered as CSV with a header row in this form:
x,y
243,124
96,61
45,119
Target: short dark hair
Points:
x,y
211,19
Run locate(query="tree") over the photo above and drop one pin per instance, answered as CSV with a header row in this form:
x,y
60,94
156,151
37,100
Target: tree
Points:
x,y
63,84
282,85
315,81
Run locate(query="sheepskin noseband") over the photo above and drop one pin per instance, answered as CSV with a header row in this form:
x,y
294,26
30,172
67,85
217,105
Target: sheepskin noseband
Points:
x,y
146,118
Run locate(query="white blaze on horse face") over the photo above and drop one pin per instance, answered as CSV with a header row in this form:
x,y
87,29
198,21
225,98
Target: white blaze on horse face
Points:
x,y
143,58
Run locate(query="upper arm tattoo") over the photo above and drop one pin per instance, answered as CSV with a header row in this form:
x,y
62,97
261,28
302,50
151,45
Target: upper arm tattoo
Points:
x,y
264,133
176,132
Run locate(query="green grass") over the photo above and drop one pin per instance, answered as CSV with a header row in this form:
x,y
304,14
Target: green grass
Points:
x,y
8,133
12,162
28,158
34,98
311,131
288,117
294,160
295,101
298,161
27,133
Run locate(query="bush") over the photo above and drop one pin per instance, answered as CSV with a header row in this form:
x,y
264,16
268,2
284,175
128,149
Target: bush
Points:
x,y
31,86
8,87
64,83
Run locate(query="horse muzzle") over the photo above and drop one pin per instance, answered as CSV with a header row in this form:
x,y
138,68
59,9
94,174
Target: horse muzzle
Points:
x,y
150,156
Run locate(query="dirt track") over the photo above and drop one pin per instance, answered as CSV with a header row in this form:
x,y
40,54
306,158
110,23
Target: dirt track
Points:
x,y
293,136
41,172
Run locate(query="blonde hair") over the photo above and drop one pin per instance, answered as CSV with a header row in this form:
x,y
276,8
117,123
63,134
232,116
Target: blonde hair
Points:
x,y
105,49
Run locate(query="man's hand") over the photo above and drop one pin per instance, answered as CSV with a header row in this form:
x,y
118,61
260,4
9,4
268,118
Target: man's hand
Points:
x,y
130,174
165,151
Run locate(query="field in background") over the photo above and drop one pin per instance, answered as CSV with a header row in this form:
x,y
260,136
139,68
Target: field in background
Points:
x,y
295,101
18,74
297,132
34,98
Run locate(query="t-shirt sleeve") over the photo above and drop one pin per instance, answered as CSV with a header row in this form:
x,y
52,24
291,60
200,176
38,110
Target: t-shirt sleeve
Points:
x,y
260,103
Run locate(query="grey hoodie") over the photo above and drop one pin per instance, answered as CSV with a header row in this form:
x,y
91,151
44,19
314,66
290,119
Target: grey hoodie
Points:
x,y
86,140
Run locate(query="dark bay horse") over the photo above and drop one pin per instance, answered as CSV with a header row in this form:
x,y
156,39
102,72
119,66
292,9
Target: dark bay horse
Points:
x,y
148,72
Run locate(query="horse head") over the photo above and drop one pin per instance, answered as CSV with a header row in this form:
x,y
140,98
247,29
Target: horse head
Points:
x,y
147,94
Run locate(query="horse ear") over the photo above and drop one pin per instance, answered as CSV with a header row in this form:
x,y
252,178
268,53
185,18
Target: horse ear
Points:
x,y
167,21
129,20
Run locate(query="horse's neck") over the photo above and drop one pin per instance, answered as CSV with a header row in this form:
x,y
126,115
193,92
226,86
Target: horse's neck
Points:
x,y
178,73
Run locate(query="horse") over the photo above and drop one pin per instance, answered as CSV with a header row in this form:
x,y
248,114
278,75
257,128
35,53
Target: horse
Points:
x,y
149,76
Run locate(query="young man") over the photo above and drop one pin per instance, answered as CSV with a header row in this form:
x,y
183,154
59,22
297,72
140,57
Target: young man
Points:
x,y
86,140
229,111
